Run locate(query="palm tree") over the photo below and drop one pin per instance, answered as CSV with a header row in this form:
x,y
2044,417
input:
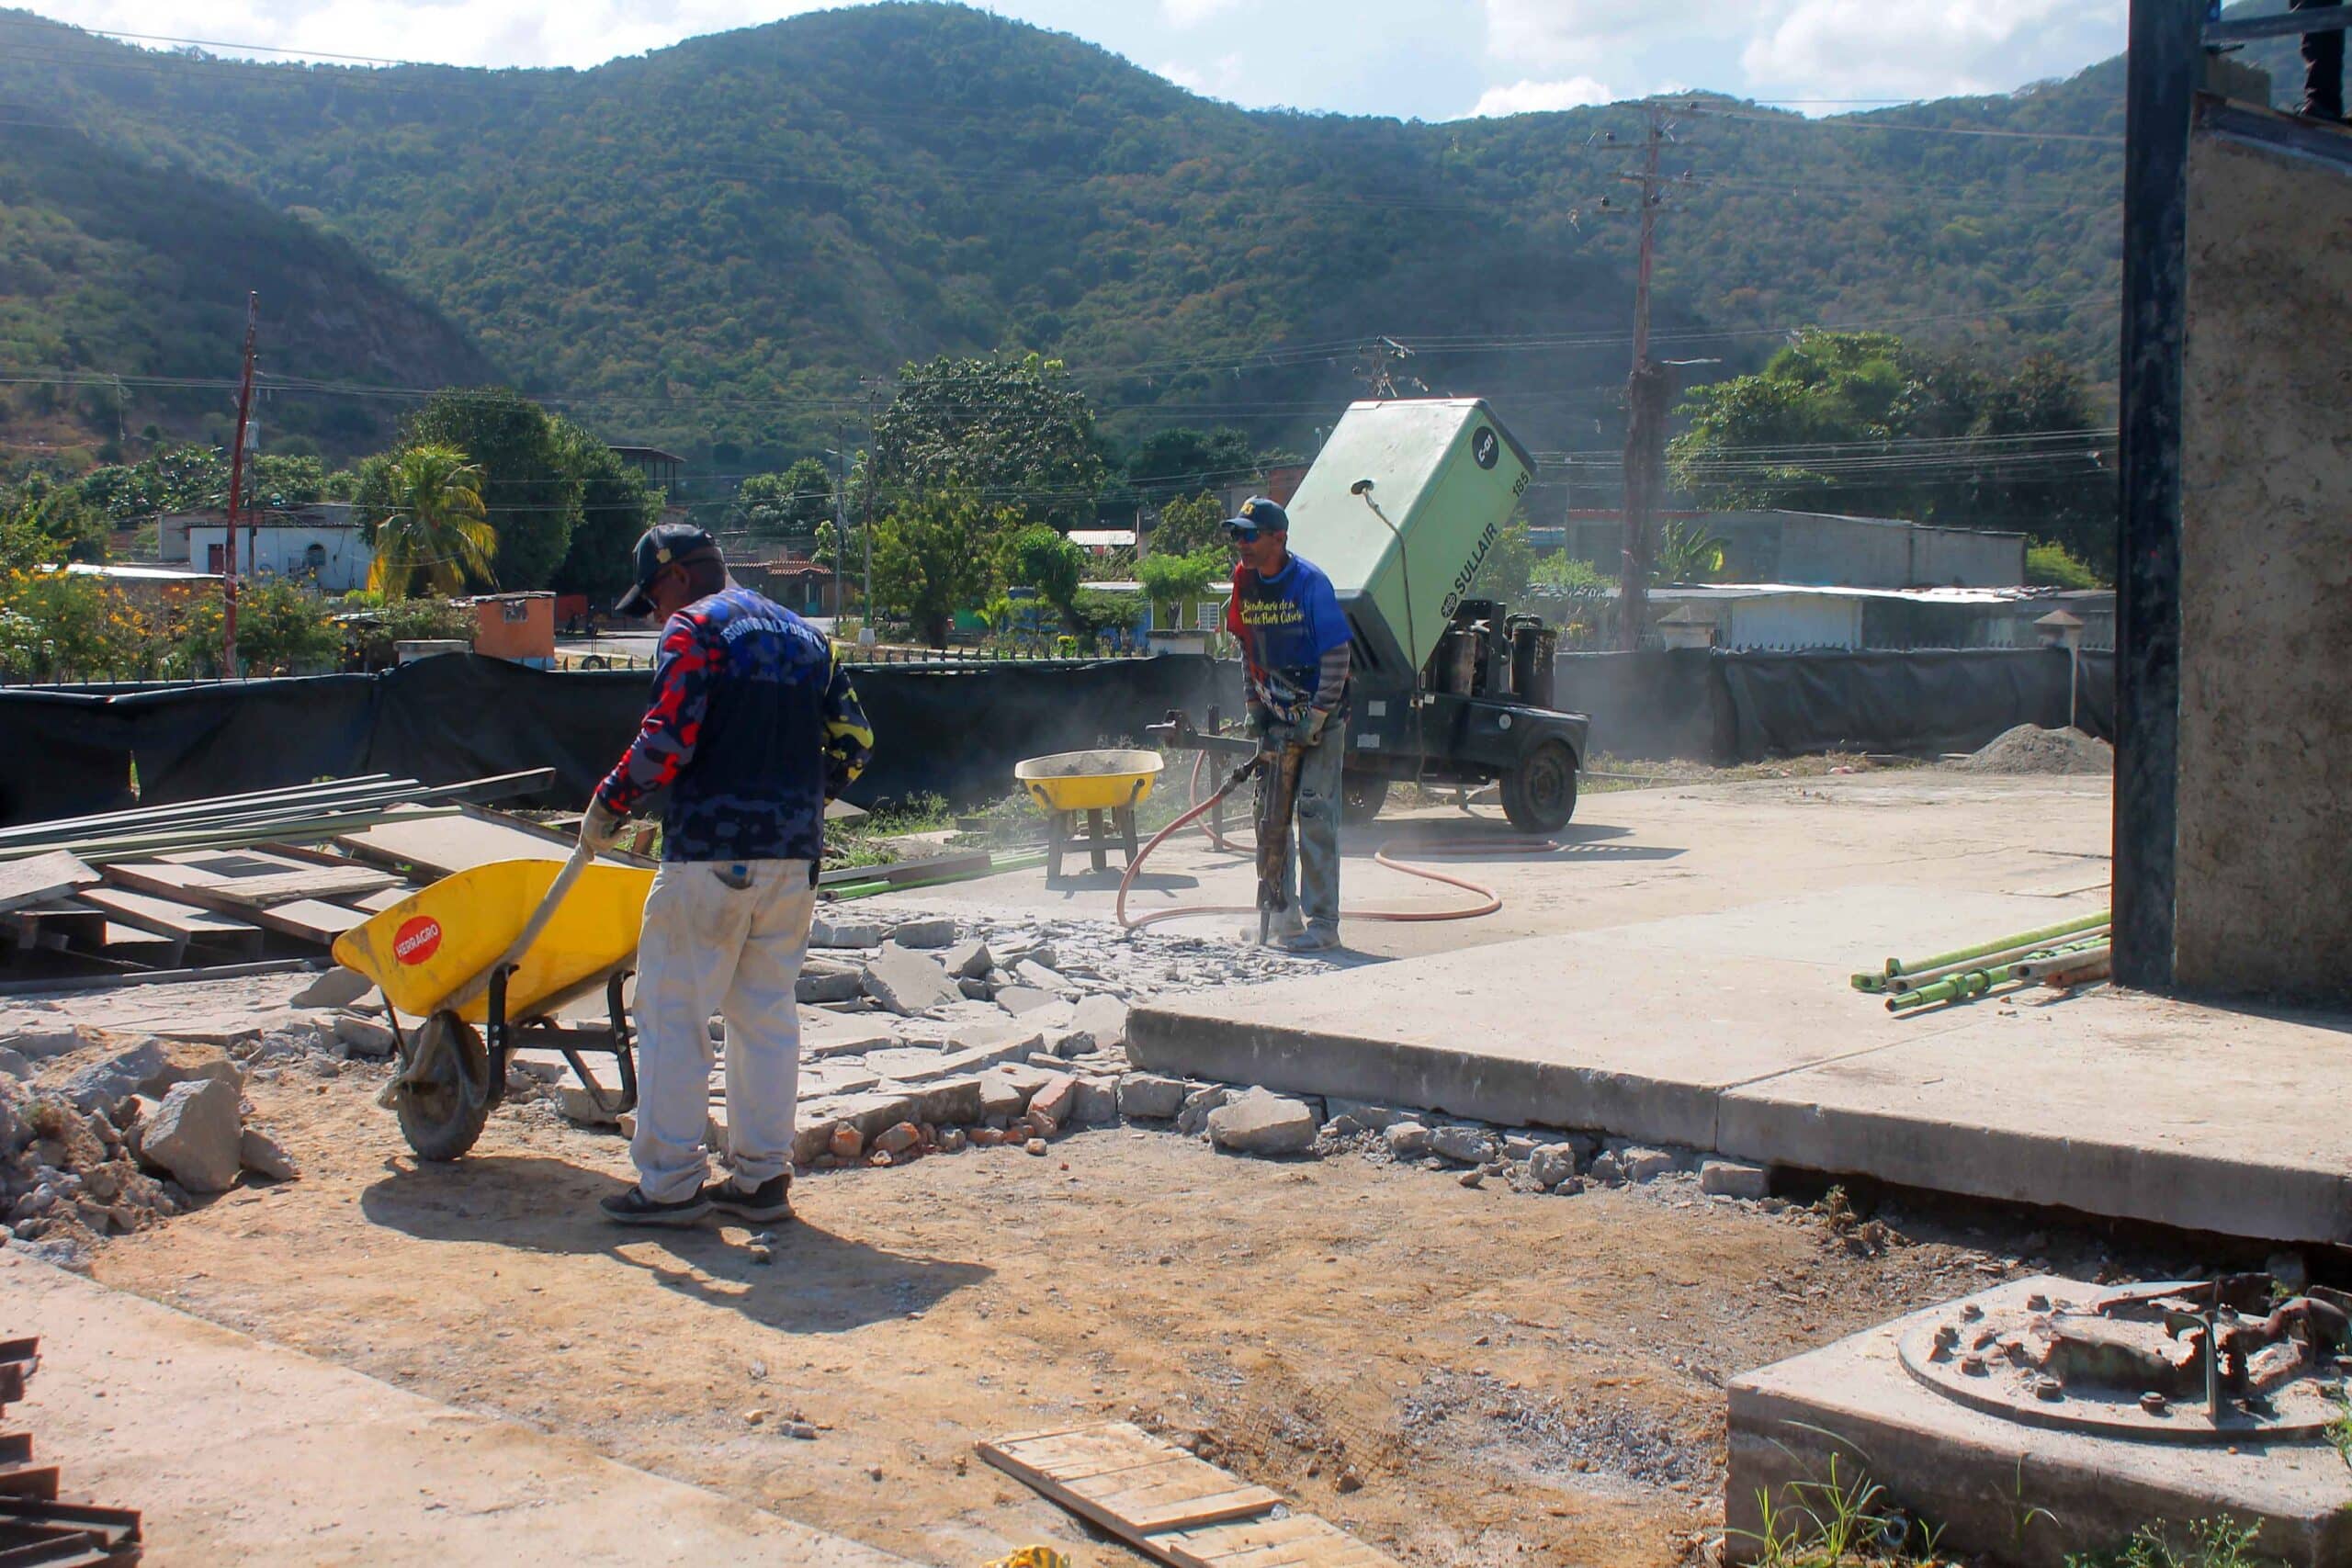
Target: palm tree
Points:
x,y
1686,552
436,528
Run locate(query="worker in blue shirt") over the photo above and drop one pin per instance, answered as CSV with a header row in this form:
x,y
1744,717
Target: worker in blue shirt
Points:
x,y
1294,641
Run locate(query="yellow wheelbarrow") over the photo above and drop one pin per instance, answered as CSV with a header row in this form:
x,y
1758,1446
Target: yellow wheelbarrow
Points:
x,y
486,958
1070,783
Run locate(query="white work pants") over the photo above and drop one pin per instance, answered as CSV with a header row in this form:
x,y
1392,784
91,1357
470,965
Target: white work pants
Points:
x,y
723,937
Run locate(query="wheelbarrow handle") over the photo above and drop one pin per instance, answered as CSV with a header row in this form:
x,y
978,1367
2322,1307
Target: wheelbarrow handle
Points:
x,y
581,855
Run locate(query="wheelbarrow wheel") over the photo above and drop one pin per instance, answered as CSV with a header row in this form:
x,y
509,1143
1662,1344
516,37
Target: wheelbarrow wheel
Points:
x,y
443,1115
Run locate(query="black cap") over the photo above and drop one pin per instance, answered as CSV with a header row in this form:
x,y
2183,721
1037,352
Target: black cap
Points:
x,y
1257,515
664,544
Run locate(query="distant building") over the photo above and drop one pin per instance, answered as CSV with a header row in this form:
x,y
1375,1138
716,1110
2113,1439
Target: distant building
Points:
x,y
1102,541
1818,549
520,627
659,470
1785,617
322,545
794,581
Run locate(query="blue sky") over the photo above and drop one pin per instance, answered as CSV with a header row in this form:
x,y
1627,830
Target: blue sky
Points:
x,y
1425,59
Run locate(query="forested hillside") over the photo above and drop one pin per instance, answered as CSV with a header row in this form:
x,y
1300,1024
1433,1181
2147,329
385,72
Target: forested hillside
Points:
x,y
709,246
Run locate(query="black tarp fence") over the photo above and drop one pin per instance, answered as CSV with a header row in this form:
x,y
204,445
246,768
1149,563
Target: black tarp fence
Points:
x,y
957,733
954,733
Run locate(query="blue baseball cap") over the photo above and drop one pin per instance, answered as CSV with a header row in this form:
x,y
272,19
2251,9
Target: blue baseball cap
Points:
x,y
664,544
1257,515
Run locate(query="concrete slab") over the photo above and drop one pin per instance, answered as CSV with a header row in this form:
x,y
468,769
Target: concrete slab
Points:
x,y
240,1451
1638,1030
2112,1103
1980,1477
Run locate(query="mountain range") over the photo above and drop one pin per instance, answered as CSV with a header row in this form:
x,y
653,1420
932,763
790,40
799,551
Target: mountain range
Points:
x,y
727,246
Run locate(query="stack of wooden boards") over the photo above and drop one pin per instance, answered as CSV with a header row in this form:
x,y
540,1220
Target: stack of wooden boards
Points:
x,y
1171,1505
196,910
34,1526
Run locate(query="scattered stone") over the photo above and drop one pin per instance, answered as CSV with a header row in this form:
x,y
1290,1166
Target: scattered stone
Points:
x,y
1407,1139
1721,1178
800,1429
102,1086
1474,1177
969,960
1098,1102
826,930
1068,1042
1606,1170
846,1142
1020,999
1031,972
824,1034
1644,1164
952,1140
907,982
985,1045
1569,1187
986,1137
337,987
898,1139
1104,1018
196,1135
1549,1165
947,1100
259,1153
974,990
1000,1096
41,1044
1194,1119
1464,1146
1149,1097
1033,1146
938,931
1262,1122
15,1064
827,983
1055,1098
365,1035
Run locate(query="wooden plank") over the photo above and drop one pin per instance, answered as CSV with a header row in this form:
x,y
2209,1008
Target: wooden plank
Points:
x,y
310,920
138,945
321,922
1127,1481
55,925
35,879
383,899
1301,1541
246,893
169,917
439,846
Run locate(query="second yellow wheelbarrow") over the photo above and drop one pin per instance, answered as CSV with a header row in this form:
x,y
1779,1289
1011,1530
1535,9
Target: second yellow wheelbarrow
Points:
x,y
1070,783
487,957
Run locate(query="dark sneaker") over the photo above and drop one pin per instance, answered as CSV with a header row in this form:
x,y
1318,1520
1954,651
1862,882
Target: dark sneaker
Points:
x,y
771,1200
634,1208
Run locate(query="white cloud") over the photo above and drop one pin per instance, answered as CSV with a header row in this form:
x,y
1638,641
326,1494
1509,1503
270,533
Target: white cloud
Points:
x,y
1192,12
1538,97
1870,47
1228,76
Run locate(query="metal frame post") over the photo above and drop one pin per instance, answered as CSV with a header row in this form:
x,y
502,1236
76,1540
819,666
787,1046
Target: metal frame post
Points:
x,y
2165,41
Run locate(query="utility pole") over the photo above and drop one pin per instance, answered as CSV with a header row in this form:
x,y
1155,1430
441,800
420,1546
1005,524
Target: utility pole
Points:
x,y
866,634
1646,396
236,491
841,513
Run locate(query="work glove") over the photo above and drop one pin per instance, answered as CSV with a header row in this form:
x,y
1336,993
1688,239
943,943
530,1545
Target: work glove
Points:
x,y
1310,728
600,828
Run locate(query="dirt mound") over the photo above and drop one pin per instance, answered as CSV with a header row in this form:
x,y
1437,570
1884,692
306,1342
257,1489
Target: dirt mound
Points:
x,y
2029,748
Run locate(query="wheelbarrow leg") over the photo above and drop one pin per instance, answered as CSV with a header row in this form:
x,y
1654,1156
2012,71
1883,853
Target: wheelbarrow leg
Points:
x,y
1056,838
1126,814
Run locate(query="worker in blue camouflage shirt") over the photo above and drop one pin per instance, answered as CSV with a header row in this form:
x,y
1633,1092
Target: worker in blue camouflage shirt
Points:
x,y
1295,643
753,729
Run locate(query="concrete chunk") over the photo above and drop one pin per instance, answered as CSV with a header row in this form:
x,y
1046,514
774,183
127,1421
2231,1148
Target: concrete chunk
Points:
x,y
969,959
1055,1097
195,1134
105,1084
1407,1139
338,988
936,930
996,1041
1105,1018
948,1102
1149,1097
827,983
1466,1145
1199,1105
365,1035
1067,1042
845,930
1549,1165
908,982
1645,1165
259,1153
1733,1178
1020,999
1261,1122
1098,1102
1030,972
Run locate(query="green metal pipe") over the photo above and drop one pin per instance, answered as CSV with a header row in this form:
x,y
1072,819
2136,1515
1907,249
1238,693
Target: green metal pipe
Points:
x,y
1912,979
872,889
2046,934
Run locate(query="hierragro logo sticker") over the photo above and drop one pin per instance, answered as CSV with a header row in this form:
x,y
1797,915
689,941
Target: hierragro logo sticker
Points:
x,y
418,939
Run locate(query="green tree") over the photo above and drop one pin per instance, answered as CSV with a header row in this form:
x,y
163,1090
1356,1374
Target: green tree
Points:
x,y
1178,580
789,505
43,523
1013,432
1186,526
1860,423
2054,566
1688,551
1182,459
1036,557
616,506
433,528
1505,574
531,491
934,556
283,628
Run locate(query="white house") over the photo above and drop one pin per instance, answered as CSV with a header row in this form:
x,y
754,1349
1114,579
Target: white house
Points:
x,y
322,545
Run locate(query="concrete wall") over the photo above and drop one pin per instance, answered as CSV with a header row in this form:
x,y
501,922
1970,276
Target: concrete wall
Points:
x,y
2264,888
1955,558
1850,552
341,563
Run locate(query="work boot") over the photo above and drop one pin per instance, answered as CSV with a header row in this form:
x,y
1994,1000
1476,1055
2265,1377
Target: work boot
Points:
x,y
1317,937
634,1208
770,1201
1287,925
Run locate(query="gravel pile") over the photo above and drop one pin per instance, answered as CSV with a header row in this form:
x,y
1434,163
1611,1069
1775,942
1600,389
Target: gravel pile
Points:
x,y
2029,748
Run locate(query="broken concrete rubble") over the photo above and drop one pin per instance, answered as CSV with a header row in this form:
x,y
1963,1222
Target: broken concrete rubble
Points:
x,y
1149,1096
1464,1146
907,982
1262,1122
1733,1178
939,930
196,1134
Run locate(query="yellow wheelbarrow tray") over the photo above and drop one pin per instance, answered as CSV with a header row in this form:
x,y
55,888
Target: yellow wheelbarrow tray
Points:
x,y
1071,784
443,954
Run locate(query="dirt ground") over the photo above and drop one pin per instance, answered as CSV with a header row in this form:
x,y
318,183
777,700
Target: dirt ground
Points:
x,y
1464,1376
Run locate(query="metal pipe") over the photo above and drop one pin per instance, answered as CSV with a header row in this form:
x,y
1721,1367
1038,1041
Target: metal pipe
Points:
x,y
2046,934
1911,980
137,814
